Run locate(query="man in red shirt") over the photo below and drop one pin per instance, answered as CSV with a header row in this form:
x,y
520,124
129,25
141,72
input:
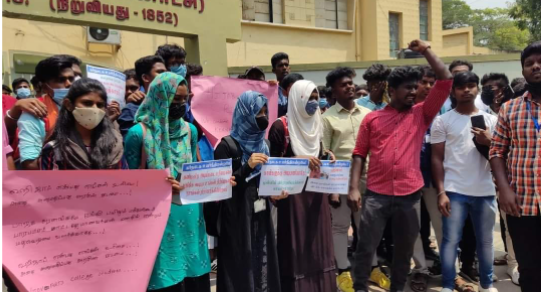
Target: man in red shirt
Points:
x,y
393,136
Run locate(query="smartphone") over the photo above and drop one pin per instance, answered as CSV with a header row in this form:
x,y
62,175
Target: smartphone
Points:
x,y
478,122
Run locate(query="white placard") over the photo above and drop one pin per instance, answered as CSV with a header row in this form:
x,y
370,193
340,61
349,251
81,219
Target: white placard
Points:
x,y
283,174
207,181
333,178
113,81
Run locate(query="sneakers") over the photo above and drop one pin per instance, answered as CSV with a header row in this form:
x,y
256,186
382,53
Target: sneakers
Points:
x,y
379,278
514,274
491,289
344,282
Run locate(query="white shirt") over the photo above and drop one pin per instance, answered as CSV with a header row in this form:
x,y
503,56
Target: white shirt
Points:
x,y
480,105
467,172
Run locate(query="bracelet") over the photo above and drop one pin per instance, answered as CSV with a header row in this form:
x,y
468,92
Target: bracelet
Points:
x,y
441,193
9,116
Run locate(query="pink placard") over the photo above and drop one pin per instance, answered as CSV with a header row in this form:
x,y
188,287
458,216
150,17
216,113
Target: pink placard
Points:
x,y
215,98
83,230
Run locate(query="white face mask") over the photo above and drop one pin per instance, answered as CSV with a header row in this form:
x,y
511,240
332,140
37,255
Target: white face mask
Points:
x,y
88,117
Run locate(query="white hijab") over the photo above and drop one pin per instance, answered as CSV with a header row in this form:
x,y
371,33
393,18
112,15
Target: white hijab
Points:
x,y
305,131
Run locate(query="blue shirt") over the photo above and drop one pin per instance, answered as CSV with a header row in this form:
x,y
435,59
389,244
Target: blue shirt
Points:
x,y
31,136
369,104
127,118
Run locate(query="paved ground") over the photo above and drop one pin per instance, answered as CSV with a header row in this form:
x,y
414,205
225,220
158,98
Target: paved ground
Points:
x,y
504,284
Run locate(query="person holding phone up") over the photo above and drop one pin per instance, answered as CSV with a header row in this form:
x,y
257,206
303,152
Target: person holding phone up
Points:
x,y
463,179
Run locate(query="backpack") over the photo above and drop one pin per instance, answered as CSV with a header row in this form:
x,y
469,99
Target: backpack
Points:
x,y
212,210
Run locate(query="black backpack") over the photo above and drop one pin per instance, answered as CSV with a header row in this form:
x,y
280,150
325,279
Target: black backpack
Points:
x,y
212,210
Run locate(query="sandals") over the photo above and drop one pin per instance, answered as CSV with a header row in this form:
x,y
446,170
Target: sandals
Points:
x,y
419,282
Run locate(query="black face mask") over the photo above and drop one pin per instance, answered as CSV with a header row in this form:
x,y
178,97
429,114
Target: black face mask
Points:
x,y
262,122
177,111
487,96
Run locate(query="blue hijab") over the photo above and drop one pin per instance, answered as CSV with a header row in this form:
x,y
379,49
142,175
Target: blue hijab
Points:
x,y
245,129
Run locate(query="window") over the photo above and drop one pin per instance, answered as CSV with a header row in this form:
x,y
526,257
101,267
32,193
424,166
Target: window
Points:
x,y
394,34
262,10
423,19
331,14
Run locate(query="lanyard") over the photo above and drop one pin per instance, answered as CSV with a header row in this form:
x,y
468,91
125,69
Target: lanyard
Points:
x,y
534,118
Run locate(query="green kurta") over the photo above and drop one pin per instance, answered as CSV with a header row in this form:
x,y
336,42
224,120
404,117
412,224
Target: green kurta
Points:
x,y
183,251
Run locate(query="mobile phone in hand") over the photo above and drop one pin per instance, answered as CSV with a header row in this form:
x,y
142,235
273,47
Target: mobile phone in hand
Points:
x,y
478,122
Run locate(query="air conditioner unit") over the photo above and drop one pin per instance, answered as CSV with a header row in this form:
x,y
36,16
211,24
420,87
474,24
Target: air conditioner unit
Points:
x,y
103,36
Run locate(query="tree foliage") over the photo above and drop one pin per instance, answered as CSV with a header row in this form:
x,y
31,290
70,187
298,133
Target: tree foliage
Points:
x,y
492,27
527,14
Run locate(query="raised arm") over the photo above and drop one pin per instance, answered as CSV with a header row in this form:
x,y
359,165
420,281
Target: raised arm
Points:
x,y
437,96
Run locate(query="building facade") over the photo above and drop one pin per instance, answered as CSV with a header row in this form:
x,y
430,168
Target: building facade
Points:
x,y
310,31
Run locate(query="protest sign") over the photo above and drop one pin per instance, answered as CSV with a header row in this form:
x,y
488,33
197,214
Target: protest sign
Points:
x,y
207,181
332,178
83,231
283,174
215,98
113,81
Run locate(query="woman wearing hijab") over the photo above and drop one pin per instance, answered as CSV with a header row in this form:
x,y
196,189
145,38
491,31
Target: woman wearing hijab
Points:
x,y
160,140
82,137
247,255
305,244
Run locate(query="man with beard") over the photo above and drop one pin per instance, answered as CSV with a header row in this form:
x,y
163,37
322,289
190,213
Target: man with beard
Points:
x,y
393,138
515,160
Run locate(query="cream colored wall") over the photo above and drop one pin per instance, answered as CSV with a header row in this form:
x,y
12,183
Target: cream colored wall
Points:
x,y
458,42
49,39
409,23
260,41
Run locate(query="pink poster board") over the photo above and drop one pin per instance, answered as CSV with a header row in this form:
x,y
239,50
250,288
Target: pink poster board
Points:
x,y
215,98
83,230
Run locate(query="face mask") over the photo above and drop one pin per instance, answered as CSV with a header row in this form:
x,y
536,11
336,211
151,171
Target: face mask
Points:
x,y
179,70
177,111
88,117
311,107
487,96
323,103
23,93
59,95
262,122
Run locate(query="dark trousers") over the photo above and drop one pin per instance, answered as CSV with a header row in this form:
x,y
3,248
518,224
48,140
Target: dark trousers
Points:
x,y
525,233
199,284
425,227
468,245
376,210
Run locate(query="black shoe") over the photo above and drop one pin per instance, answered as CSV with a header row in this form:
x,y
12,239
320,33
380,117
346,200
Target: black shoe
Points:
x,y
470,274
435,270
432,255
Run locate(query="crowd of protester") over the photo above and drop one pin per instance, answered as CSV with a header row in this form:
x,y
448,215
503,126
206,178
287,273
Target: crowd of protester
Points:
x,y
433,147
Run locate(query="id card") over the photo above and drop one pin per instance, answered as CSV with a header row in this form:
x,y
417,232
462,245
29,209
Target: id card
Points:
x,y
260,205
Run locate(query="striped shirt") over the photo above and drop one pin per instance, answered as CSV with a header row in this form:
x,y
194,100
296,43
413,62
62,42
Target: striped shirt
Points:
x,y
516,139
394,140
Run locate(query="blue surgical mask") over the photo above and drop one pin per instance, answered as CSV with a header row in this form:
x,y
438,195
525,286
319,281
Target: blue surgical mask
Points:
x,y
59,95
323,103
179,70
311,107
23,93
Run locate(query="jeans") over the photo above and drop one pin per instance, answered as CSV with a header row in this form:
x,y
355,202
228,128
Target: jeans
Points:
x,y
526,235
482,211
376,210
